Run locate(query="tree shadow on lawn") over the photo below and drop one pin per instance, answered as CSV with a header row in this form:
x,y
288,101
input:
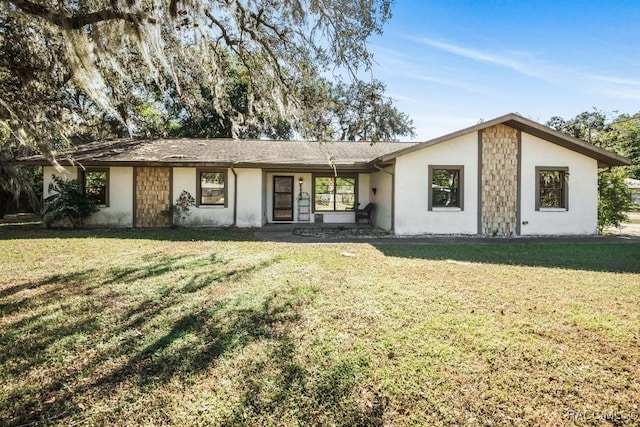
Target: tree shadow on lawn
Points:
x,y
158,264
179,234
612,257
80,341
279,390
64,307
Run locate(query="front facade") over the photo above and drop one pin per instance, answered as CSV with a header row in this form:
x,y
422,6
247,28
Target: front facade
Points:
x,y
501,173
142,196
234,183
506,177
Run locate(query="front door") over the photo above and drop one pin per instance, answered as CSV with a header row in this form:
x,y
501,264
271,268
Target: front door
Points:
x,y
283,198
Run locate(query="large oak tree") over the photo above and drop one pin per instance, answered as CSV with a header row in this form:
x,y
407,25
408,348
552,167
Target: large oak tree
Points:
x,y
77,70
116,53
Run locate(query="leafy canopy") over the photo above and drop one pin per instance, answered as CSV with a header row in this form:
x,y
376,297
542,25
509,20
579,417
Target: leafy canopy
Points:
x,y
66,62
620,134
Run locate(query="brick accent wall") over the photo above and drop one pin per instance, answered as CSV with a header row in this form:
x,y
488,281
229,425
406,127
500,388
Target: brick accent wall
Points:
x,y
499,188
153,192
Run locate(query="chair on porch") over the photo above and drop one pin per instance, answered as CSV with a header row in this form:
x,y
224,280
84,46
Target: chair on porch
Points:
x,y
365,214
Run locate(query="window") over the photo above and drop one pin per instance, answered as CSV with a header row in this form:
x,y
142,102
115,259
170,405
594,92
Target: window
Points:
x,y
333,193
211,188
445,187
552,188
95,184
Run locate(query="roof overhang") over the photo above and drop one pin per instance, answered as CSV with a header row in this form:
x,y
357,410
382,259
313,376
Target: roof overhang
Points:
x,y
221,153
316,167
114,153
604,157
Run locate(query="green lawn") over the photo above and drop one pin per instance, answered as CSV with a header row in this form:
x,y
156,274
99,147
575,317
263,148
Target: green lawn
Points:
x,y
202,327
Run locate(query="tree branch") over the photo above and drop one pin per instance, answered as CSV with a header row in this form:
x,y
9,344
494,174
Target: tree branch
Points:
x,y
223,31
76,21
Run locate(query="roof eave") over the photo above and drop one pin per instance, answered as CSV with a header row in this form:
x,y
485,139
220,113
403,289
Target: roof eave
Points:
x,y
604,157
381,161
354,166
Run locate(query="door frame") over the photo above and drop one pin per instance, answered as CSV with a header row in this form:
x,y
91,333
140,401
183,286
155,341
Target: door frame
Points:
x,y
273,199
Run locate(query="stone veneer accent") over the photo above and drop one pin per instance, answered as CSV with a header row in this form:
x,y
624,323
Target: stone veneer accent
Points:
x,y
153,192
499,188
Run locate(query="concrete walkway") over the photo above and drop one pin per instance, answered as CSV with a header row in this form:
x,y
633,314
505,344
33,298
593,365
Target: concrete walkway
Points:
x,y
284,233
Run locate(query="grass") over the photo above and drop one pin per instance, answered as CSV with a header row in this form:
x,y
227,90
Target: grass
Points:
x,y
208,327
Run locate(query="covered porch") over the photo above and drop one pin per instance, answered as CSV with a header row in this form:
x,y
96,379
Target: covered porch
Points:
x,y
326,198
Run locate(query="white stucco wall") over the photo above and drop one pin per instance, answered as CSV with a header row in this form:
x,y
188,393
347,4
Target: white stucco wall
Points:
x,y
265,218
249,212
412,215
364,189
249,197
184,179
119,213
338,217
582,215
383,183
49,171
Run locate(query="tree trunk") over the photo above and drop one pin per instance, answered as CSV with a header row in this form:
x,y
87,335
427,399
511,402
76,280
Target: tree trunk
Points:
x,y
4,200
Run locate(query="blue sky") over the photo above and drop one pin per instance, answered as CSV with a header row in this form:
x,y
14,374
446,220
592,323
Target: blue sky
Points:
x,y
449,64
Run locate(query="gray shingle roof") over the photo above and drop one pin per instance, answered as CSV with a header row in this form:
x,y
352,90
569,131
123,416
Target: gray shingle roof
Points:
x,y
226,152
293,154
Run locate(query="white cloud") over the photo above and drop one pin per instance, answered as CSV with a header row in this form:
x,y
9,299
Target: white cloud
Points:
x,y
528,68
620,94
615,80
615,87
442,81
429,126
405,66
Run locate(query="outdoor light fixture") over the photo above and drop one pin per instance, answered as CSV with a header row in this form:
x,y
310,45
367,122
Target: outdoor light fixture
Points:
x,y
374,189
300,182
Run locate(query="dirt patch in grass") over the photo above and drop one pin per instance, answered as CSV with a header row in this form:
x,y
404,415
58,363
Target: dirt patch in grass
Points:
x,y
100,329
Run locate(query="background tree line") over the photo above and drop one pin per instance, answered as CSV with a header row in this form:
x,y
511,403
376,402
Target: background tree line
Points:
x,y
616,132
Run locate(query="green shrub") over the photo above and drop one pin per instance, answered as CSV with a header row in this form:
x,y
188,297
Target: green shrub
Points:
x,y
181,207
614,198
67,202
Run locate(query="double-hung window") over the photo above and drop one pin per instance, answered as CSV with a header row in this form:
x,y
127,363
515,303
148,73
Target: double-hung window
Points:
x,y
211,188
552,188
334,193
95,185
446,187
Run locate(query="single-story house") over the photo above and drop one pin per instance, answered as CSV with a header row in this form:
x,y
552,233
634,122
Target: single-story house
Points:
x,y
502,177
